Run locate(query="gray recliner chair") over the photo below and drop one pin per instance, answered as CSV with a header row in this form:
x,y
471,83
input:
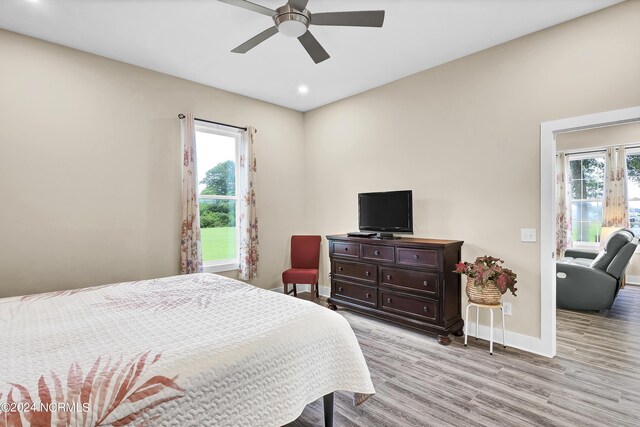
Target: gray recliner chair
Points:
x,y
590,280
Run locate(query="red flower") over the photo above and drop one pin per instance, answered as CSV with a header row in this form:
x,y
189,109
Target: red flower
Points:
x,y
461,267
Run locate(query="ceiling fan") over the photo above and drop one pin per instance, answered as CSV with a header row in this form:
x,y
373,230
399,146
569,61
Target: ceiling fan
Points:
x,y
293,20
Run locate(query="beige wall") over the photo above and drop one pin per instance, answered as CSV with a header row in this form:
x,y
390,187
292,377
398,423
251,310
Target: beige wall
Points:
x,y
624,134
90,168
465,138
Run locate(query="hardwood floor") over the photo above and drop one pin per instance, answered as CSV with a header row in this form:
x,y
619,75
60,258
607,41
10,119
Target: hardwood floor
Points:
x,y
593,381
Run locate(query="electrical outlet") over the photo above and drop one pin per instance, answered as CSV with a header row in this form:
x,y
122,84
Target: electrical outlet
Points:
x,y
506,306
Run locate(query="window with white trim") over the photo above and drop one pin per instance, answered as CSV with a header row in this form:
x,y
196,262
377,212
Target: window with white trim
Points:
x,y
217,155
586,177
633,181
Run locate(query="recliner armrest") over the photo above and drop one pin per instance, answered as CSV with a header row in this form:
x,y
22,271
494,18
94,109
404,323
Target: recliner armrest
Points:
x,y
577,253
582,273
584,288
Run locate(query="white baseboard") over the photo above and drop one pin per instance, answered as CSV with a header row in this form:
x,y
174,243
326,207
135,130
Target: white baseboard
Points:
x,y
633,280
513,339
325,291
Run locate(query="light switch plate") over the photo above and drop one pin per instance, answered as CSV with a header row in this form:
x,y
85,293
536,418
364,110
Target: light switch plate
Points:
x,y
528,234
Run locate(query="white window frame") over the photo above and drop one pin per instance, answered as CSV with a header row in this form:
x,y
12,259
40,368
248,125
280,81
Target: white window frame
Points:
x,y
215,129
583,156
635,151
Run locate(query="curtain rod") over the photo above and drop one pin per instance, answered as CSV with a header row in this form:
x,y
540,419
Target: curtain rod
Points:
x,y
181,116
600,149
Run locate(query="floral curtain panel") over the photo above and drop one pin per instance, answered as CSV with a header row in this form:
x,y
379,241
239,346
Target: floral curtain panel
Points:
x,y
615,211
247,216
563,213
190,244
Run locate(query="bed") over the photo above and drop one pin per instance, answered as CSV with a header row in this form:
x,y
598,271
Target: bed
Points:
x,y
193,350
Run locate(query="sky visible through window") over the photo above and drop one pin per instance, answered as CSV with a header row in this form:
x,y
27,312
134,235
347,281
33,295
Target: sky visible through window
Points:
x,y
213,149
634,190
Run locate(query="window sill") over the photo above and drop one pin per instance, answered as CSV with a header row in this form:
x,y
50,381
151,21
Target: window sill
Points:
x,y
587,246
219,267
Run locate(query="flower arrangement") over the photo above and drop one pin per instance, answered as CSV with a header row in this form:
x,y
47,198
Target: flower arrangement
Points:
x,y
487,269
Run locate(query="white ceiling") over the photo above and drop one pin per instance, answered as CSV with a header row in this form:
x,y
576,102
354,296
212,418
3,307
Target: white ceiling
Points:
x,y
192,39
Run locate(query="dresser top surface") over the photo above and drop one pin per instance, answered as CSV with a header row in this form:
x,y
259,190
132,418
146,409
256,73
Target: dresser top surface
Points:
x,y
411,241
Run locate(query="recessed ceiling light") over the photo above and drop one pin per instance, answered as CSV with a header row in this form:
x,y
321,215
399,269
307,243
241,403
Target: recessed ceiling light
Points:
x,y
303,89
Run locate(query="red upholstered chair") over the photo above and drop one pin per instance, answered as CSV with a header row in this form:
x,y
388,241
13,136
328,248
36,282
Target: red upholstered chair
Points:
x,y
305,259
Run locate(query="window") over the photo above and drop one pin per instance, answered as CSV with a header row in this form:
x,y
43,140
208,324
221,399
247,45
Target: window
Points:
x,y
633,180
217,150
587,190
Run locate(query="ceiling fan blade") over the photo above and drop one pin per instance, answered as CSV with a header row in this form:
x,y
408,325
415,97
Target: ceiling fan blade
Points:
x,y
298,4
313,47
255,41
250,6
364,18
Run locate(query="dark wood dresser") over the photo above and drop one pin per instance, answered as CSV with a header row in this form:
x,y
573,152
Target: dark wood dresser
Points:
x,y
405,281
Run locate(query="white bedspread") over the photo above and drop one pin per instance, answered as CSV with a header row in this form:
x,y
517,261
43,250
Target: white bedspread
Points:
x,y
187,350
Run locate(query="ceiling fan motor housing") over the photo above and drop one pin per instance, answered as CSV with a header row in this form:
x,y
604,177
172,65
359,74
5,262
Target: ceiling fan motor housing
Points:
x,y
291,22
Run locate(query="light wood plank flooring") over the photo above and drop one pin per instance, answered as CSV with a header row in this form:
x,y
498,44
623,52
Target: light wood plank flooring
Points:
x,y
594,380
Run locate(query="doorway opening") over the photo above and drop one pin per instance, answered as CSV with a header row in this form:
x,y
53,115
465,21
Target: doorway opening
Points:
x,y
548,133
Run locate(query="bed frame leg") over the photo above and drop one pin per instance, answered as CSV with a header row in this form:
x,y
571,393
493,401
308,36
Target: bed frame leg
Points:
x,y
327,401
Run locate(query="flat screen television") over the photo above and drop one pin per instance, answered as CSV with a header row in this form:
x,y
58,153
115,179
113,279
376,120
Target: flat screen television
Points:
x,y
386,212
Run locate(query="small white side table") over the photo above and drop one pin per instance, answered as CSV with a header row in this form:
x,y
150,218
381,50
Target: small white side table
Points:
x,y
478,307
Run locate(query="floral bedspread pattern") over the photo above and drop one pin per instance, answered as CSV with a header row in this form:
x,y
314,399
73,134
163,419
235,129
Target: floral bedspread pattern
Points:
x,y
95,399
199,349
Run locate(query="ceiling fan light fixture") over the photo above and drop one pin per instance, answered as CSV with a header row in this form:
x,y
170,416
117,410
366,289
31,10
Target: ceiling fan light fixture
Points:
x,y
292,28
291,22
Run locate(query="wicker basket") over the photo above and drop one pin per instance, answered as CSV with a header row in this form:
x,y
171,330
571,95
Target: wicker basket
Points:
x,y
488,294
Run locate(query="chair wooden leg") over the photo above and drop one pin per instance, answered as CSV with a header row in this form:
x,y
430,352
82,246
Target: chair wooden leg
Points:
x,y
286,288
317,290
295,291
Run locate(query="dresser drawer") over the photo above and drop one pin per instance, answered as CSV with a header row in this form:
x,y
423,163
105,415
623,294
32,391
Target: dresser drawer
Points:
x,y
346,249
426,283
418,257
378,253
363,295
349,270
420,308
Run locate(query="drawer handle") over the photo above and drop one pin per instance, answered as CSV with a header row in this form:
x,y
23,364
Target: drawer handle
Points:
x,y
340,289
368,295
388,277
388,300
367,273
376,252
425,283
416,256
426,309
339,268
346,249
